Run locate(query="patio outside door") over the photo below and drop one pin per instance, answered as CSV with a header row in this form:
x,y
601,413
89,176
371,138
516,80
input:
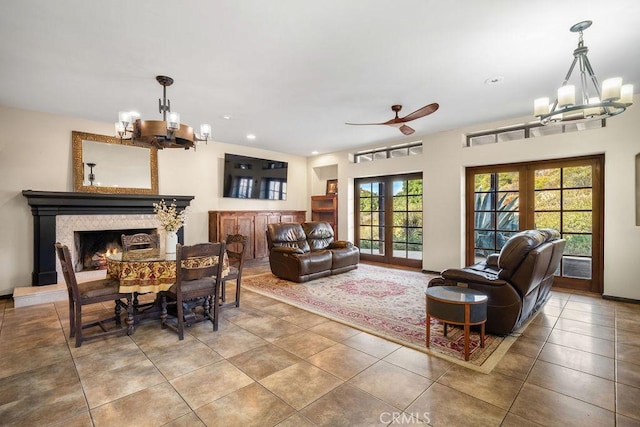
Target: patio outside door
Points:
x,y
389,219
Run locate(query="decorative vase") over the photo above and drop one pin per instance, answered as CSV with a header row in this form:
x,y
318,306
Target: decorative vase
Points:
x,y
171,240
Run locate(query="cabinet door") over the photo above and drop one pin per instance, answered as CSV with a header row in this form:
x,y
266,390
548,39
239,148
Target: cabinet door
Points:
x,y
245,227
228,225
261,246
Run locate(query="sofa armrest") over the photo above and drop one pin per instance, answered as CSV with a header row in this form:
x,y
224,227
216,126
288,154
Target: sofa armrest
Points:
x,y
287,250
340,244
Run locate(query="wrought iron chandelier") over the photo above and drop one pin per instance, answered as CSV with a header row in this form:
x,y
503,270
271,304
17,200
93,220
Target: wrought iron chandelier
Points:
x,y
589,104
160,133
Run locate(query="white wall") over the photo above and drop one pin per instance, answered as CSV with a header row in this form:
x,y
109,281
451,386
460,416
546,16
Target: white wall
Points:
x,y
35,154
443,164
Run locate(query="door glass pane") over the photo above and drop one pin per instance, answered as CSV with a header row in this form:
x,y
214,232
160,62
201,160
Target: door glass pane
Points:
x,y
399,234
576,267
576,222
547,220
577,199
508,201
482,182
578,244
365,232
508,221
508,181
483,201
579,176
547,200
400,203
547,179
484,221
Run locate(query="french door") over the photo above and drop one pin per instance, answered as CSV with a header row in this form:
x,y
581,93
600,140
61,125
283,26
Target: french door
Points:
x,y
389,219
566,195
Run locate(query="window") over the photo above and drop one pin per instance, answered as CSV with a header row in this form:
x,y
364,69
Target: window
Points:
x,y
529,130
401,150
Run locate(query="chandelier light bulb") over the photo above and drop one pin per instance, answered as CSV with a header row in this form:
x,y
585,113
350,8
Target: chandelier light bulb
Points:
x,y
205,131
566,95
124,117
540,106
626,94
174,121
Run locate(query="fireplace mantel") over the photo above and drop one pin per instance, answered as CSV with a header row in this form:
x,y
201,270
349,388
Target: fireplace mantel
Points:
x,y
46,205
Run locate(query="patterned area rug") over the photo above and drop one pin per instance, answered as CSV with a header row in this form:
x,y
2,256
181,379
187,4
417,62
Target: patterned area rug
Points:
x,y
386,302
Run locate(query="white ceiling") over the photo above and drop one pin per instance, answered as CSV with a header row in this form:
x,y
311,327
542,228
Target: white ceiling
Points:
x,y
292,72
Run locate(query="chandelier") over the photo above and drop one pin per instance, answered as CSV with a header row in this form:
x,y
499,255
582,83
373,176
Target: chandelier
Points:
x,y
592,104
160,133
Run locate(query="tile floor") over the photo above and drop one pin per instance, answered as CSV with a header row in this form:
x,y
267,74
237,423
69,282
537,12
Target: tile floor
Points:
x,y
271,364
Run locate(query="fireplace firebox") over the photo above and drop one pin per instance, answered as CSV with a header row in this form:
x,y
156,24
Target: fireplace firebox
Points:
x,y
93,247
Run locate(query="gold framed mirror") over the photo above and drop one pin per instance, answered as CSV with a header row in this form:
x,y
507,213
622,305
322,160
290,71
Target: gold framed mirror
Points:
x,y
106,164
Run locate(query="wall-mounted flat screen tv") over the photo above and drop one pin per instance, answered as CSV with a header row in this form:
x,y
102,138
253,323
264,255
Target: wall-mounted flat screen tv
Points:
x,y
252,178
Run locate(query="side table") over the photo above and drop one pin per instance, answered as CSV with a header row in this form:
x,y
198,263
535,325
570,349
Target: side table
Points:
x,y
458,306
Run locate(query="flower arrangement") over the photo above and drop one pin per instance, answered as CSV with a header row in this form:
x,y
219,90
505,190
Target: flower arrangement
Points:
x,y
169,216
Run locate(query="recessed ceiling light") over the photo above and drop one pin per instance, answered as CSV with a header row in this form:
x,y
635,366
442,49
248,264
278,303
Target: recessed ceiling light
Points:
x,y
314,152
494,80
251,136
226,117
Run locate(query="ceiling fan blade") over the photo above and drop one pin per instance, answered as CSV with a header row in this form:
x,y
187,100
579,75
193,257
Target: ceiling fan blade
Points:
x,y
406,130
426,110
365,124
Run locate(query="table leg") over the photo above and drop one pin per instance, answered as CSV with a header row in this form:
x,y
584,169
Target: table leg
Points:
x,y
467,317
428,330
482,335
130,319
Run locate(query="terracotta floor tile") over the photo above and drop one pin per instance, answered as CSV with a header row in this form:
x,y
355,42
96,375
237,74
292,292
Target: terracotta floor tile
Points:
x,y
628,373
435,405
124,353
349,406
494,388
514,365
296,420
188,420
584,316
590,307
548,407
33,358
371,344
334,331
135,410
234,341
266,327
50,406
259,406
304,344
209,383
584,361
627,399
582,342
586,387
585,328
263,361
300,384
183,358
106,386
342,361
390,383
420,363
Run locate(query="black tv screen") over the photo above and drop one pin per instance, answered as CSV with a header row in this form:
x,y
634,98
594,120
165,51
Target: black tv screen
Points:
x,y
252,178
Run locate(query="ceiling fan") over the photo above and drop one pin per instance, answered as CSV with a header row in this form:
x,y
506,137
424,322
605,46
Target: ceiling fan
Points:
x,y
399,122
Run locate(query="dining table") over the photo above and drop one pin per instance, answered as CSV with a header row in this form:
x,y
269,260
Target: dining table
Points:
x,y
153,272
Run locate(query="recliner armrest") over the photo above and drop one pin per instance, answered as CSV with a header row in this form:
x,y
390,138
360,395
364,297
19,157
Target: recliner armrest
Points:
x,y
339,244
492,260
464,275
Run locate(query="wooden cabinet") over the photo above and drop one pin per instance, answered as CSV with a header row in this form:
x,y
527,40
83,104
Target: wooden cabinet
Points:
x,y
252,224
325,208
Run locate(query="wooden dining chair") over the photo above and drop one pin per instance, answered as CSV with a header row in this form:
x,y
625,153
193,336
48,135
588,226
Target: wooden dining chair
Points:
x,y
198,276
236,247
85,293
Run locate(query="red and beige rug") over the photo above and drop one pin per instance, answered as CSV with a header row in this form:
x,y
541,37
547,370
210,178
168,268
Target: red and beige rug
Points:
x,y
389,303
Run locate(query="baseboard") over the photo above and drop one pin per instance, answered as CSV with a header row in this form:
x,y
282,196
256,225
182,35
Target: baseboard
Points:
x,y
621,299
24,296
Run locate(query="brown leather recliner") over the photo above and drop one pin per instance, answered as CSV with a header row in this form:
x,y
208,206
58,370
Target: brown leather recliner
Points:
x,y
517,280
303,252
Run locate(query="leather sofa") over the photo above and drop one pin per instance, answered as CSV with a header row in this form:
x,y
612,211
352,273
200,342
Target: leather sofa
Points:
x,y
517,280
307,251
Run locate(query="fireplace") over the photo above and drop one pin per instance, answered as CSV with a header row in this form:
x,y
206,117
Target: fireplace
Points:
x,y
57,216
93,247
